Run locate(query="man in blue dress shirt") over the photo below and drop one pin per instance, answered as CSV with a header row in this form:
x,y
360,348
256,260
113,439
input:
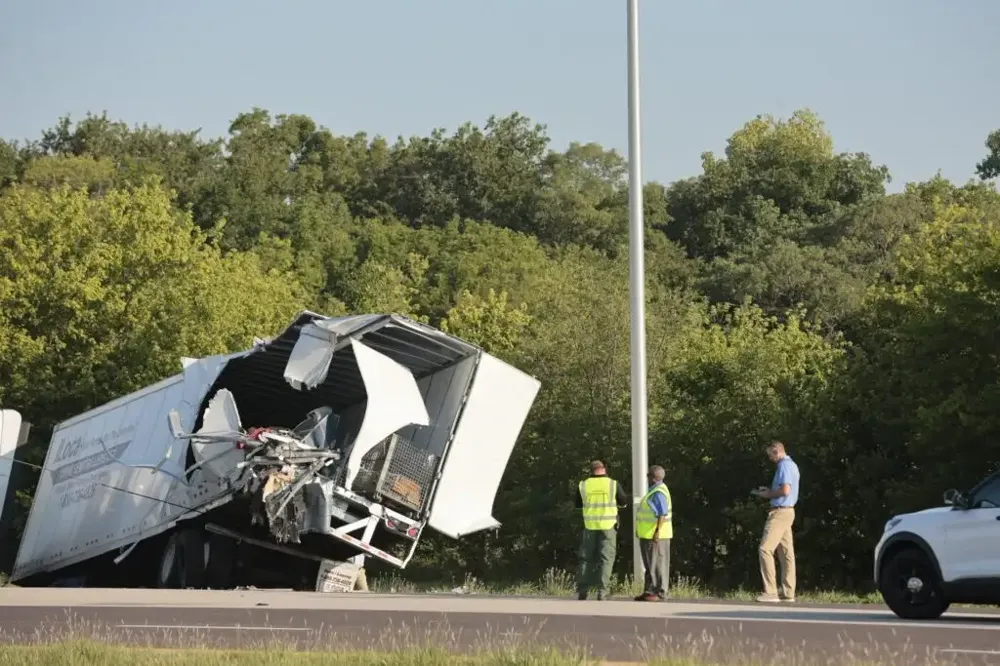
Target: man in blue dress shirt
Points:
x,y
777,537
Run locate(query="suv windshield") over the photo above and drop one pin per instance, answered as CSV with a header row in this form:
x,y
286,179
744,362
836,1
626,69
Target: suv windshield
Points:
x,y
986,494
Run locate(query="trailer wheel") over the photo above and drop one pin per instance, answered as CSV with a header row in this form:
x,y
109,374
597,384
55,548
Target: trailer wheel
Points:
x,y
220,562
182,564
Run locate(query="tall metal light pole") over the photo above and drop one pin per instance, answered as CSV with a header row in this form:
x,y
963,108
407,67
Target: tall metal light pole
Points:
x,y
637,286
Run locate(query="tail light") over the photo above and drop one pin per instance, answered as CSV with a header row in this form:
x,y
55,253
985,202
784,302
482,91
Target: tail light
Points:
x,y
402,528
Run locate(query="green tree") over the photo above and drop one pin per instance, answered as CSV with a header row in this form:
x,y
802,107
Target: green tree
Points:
x,y
491,174
742,378
777,178
488,322
102,295
989,167
914,411
182,160
9,162
935,327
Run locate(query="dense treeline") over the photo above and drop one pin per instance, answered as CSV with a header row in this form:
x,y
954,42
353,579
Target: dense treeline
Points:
x,y
789,296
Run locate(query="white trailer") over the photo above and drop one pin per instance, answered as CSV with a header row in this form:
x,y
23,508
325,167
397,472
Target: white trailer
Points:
x,y
13,434
339,439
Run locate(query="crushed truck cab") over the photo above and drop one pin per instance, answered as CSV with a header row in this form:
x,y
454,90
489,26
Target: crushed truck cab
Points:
x,y
339,439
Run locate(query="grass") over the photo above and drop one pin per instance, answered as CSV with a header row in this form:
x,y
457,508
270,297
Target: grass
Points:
x,y
560,583
77,641
90,652
80,652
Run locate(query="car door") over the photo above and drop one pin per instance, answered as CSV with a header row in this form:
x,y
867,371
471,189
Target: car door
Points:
x,y
973,534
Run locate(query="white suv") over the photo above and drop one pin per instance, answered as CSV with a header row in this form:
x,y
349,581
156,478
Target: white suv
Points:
x,y
928,560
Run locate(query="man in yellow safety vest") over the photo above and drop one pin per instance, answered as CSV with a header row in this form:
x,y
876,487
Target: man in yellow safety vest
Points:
x,y
654,529
598,497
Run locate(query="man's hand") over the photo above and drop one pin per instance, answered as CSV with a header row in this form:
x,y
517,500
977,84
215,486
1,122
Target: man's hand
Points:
x,y
762,491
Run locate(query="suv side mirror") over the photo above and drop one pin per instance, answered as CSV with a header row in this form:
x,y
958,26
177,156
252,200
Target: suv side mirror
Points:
x,y
954,498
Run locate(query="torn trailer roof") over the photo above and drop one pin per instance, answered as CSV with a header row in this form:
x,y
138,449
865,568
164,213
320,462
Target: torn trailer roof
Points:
x,y
336,425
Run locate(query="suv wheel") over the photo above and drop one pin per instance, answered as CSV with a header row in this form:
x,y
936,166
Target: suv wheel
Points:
x,y
910,586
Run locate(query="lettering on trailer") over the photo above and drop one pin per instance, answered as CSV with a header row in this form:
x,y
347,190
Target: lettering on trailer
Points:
x,y
71,448
84,492
86,465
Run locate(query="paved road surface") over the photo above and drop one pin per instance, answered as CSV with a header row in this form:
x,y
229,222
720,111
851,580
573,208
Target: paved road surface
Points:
x,y
614,630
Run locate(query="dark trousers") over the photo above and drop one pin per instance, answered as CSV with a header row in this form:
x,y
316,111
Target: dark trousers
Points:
x,y
656,561
596,560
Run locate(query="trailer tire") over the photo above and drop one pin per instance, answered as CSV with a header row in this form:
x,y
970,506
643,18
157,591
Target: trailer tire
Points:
x,y
182,563
221,563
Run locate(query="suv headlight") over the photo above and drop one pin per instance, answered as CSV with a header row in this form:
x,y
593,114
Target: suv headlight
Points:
x,y
892,523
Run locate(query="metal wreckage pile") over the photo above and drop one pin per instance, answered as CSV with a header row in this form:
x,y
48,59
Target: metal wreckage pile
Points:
x,y
283,465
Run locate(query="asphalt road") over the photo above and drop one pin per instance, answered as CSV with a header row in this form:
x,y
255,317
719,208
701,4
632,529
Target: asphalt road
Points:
x,y
620,631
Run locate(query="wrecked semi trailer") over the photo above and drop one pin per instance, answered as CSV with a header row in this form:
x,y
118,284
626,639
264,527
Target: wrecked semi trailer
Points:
x,y
340,439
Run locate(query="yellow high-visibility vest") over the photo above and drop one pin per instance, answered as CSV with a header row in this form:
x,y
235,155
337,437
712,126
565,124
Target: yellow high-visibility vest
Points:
x,y
645,519
600,510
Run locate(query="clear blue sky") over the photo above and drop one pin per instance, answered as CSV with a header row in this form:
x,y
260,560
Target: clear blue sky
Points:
x,y
912,82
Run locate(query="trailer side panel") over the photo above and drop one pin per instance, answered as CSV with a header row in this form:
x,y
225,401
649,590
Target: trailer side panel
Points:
x,y
84,498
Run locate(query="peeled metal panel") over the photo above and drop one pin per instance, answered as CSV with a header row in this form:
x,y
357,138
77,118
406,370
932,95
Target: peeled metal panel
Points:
x,y
310,358
221,417
394,401
497,406
309,362
199,375
443,392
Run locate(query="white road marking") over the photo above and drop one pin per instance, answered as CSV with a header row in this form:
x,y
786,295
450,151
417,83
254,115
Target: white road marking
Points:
x,y
832,621
962,651
209,627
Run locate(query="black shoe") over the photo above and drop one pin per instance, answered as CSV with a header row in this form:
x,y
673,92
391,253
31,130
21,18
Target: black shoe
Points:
x,y
582,596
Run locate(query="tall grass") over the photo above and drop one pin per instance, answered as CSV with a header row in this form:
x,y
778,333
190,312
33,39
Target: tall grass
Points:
x,y
561,583
75,642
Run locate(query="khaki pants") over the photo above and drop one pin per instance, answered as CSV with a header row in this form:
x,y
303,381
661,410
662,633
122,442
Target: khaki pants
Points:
x,y
777,538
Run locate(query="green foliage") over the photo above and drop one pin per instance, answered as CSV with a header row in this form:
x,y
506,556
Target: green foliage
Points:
x,y
488,322
989,167
777,179
937,327
787,296
743,378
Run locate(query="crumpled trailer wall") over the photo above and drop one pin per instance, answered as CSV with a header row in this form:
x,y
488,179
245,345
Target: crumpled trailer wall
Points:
x,y
415,429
